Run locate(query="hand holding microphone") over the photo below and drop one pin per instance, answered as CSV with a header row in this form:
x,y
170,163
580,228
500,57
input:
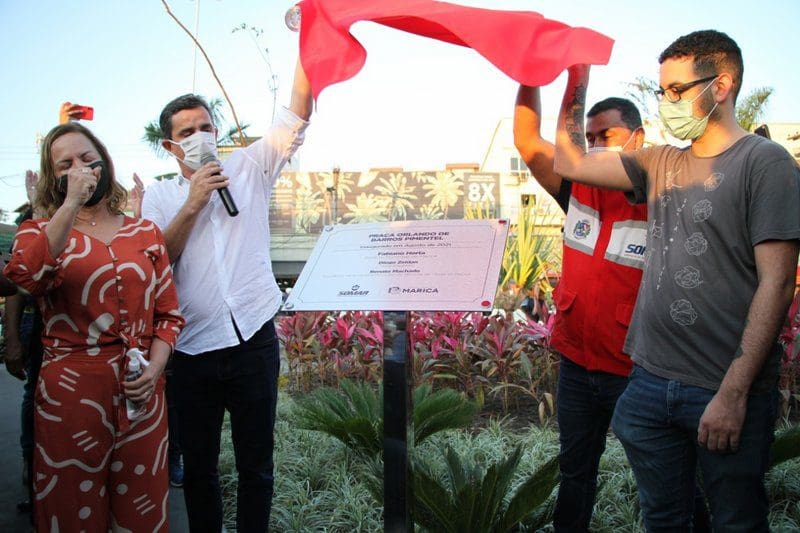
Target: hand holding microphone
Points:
x,y
224,193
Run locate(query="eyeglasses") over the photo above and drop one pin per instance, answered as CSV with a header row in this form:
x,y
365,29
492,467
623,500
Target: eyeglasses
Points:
x,y
674,93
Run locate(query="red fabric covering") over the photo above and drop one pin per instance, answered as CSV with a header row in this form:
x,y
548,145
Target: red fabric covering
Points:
x,y
526,46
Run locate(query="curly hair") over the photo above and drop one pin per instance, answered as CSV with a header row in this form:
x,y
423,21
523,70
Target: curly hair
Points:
x,y
48,196
713,52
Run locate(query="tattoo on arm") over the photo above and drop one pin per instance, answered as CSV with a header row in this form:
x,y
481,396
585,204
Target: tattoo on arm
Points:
x,y
574,120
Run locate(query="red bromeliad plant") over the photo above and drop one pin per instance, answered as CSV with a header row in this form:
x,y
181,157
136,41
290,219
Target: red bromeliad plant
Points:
x,y
348,344
466,351
367,343
789,384
298,334
500,352
444,345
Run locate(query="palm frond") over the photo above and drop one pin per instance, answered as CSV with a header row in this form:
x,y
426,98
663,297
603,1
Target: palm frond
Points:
x,y
354,417
152,137
444,409
231,136
433,508
786,446
531,494
473,498
751,108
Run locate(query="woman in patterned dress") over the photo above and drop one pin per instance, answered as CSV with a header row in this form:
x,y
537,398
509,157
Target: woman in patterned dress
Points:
x,y
104,285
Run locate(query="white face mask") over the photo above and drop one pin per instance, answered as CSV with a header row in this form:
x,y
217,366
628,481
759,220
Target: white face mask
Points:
x,y
604,149
611,148
195,146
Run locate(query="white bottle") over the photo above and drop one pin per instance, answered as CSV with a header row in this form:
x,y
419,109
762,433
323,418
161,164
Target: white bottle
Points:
x,y
135,363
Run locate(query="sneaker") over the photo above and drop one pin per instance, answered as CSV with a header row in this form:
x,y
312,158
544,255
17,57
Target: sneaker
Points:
x,y
176,475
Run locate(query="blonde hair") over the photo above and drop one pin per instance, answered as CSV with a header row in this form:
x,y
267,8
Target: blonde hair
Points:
x,y
48,196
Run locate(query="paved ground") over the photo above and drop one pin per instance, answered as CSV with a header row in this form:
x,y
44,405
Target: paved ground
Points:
x,y
11,489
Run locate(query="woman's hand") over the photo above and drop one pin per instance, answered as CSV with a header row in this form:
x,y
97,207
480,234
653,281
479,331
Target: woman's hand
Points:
x,y
144,387
137,196
81,183
31,180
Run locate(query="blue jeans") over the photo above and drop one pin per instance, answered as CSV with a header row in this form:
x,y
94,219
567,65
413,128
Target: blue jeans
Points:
x,y
657,419
585,402
244,380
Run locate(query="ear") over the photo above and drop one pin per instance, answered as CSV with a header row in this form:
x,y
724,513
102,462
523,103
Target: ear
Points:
x,y
724,87
166,145
638,137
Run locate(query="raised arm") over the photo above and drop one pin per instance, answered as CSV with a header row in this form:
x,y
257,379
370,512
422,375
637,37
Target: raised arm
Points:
x,y
600,169
721,423
302,103
80,186
534,150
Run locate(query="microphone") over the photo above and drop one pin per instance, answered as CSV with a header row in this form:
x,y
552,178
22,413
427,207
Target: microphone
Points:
x,y
224,193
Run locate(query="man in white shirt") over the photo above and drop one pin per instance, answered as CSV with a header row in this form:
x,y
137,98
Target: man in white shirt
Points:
x,y
227,356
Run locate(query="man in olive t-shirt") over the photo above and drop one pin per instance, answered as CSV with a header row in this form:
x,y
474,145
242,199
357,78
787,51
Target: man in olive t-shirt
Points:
x,y
722,247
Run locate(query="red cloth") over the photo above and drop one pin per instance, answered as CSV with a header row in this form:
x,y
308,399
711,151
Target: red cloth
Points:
x,y
526,46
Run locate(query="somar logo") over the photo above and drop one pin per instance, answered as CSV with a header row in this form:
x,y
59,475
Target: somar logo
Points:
x,y
354,291
583,228
635,249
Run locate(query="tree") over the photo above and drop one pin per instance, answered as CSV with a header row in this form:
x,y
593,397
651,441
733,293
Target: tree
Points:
x,y
751,107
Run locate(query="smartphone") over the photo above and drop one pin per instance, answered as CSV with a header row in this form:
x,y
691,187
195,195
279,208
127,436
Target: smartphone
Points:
x,y
86,112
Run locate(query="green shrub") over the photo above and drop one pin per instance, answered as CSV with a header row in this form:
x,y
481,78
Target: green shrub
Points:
x,y
321,485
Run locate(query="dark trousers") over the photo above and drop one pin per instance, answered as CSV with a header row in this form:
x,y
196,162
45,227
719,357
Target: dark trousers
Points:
x,y
244,380
31,334
172,418
585,404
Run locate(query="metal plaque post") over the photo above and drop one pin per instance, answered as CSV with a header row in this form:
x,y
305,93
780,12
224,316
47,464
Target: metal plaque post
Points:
x,y
397,423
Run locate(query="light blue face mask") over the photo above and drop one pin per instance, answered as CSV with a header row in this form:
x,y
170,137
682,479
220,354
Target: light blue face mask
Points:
x,y
679,119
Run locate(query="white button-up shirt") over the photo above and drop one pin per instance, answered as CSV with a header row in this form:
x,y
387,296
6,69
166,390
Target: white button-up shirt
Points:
x,y
225,269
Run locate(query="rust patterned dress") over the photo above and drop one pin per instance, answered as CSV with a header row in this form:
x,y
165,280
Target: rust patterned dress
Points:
x,y
95,470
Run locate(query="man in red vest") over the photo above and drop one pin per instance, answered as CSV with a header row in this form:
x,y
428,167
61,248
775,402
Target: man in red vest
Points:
x,y
603,258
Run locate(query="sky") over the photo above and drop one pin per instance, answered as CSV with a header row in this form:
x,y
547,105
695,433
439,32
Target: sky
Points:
x,y
417,104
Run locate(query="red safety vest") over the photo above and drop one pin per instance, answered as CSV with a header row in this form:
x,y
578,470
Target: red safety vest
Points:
x,y
604,255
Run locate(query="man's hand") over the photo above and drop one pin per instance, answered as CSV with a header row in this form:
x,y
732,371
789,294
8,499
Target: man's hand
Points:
x,y
721,424
137,196
15,362
204,182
